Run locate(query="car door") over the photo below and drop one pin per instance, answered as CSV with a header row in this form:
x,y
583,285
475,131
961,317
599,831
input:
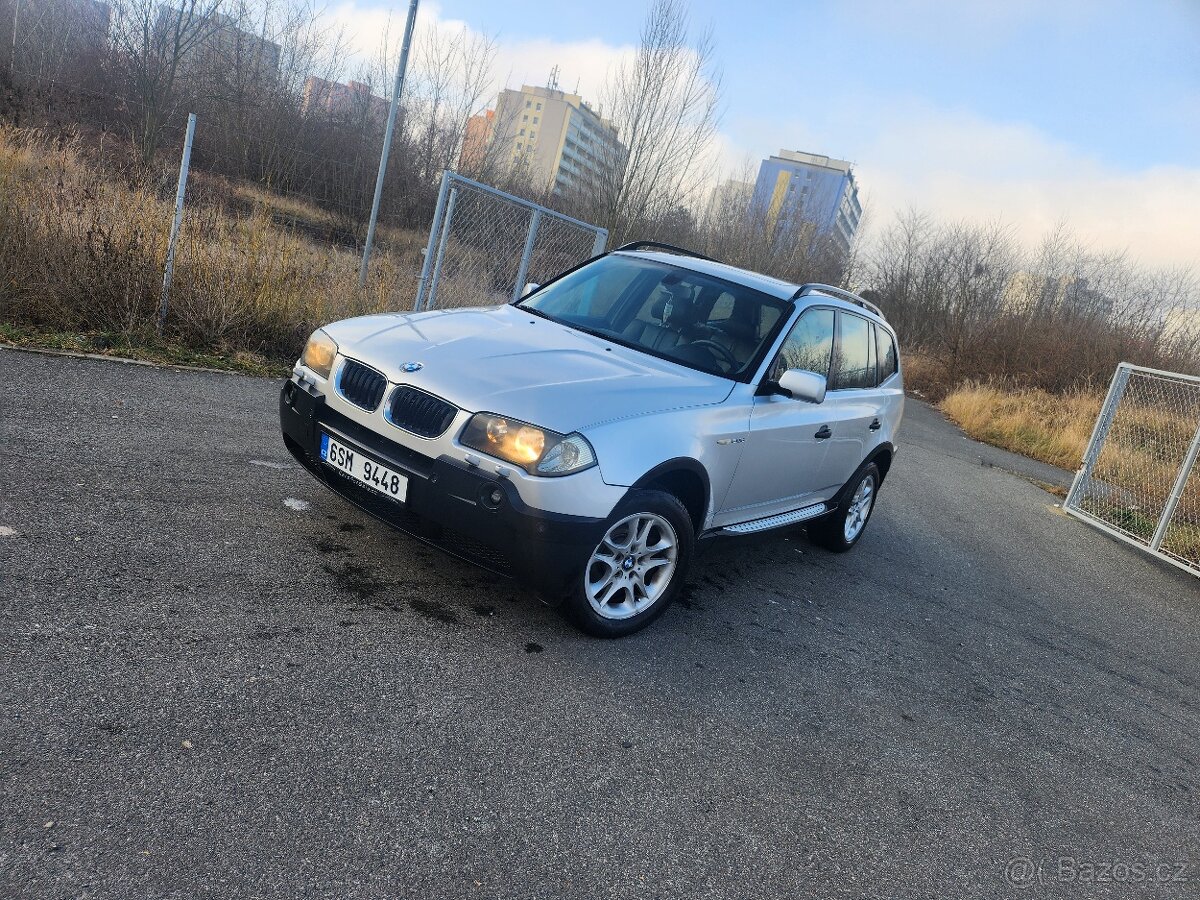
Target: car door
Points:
x,y
853,399
782,462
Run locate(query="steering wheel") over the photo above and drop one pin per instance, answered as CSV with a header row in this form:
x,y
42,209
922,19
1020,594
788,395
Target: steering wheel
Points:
x,y
722,354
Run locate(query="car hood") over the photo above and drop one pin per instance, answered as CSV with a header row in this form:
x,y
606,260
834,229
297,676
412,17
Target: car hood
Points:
x,y
504,360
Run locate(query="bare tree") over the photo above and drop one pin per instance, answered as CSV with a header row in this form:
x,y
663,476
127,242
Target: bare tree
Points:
x,y
152,44
52,40
977,304
664,104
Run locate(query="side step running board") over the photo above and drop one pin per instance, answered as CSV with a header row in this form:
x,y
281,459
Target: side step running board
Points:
x,y
779,521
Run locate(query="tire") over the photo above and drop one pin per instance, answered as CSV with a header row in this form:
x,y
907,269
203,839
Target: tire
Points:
x,y
841,529
614,598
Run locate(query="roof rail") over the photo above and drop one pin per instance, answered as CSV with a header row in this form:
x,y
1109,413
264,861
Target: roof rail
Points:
x,y
840,294
653,245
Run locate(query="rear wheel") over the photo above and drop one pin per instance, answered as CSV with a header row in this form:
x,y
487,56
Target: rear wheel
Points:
x,y
841,529
636,569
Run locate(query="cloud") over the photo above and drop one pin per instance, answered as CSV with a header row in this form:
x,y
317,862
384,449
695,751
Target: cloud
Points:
x,y
527,60
582,64
960,166
907,152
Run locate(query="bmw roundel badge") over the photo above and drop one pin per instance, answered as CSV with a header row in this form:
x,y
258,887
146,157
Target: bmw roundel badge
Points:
x,y
413,366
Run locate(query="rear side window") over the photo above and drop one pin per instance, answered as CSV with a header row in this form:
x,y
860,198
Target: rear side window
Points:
x,y
854,361
887,354
810,344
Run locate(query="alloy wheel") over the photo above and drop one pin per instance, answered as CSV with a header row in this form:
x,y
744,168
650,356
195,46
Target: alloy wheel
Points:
x,y
860,508
632,566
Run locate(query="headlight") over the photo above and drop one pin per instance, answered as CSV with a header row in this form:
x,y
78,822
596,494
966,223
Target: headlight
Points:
x,y
536,450
319,353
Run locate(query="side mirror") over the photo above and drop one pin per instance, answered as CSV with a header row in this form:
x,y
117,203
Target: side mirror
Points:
x,y
530,287
803,385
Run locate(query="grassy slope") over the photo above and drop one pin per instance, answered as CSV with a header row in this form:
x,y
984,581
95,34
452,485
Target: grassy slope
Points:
x,y
1134,473
82,251
1051,427
143,347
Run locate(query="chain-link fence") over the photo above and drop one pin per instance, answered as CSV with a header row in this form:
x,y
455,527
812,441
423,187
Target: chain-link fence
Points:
x,y
1140,480
485,245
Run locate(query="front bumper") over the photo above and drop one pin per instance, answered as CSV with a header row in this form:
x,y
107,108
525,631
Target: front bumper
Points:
x,y
448,501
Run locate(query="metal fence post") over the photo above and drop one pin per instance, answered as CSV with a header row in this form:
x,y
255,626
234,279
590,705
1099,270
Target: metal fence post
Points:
x,y
1185,470
397,89
441,250
180,190
12,60
523,269
1100,431
434,235
601,241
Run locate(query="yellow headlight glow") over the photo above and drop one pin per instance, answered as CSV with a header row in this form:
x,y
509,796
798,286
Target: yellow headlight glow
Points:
x,y
319,353
536,450
528,444
518,443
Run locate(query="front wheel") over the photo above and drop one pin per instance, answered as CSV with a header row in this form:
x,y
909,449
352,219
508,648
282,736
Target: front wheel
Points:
x,y
636,569
841,529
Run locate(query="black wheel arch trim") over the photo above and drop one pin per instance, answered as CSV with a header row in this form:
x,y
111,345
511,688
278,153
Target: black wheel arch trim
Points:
x,y
885,448
669,467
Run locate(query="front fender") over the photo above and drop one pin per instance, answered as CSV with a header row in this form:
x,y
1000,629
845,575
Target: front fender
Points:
x,y
706,440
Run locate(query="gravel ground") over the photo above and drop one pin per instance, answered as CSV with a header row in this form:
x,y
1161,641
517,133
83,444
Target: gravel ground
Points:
x,y
220,680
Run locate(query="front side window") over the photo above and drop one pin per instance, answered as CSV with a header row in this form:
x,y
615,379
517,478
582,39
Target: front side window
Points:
x,y
809,346
668,311
854,357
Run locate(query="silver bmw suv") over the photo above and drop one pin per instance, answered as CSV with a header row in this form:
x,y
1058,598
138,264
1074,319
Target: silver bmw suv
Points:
x,y
588,436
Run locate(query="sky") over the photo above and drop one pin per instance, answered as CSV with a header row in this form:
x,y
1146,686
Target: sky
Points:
x,y
1029,112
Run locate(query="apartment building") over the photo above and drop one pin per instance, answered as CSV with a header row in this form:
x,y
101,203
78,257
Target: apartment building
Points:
x,y
1029,292
556,136
343,102
479,132
794,187
223,46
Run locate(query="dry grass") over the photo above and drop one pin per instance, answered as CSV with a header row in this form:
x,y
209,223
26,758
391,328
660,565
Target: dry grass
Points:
x,y
1051,427
83,252
1132,476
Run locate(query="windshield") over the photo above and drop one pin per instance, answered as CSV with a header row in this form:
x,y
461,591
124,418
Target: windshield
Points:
x,y
696,320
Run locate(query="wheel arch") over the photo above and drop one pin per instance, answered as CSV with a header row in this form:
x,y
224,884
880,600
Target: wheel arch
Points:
x,y
687,480
882,457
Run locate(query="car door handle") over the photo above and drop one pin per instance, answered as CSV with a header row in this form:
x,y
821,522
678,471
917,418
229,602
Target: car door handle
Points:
x,y
874,426
823,433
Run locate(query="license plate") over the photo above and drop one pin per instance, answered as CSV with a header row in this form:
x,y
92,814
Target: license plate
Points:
x,y
365,471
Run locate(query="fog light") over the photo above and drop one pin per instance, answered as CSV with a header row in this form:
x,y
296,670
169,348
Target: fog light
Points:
x,y
491,496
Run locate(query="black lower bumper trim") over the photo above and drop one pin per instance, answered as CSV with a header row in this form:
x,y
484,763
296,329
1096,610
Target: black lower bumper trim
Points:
x,y
458,509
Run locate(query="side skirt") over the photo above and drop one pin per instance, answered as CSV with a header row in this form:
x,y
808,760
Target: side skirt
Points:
x,y
782,520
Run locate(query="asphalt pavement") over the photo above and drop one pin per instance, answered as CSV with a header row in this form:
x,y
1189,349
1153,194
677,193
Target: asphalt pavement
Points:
x,y
217,679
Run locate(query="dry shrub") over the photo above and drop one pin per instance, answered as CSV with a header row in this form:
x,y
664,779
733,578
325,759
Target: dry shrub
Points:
x,y
83,251
925,375
1059,317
